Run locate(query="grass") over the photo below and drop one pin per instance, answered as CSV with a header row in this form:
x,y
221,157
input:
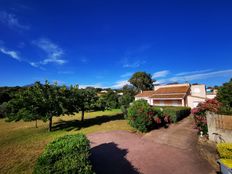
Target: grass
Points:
x,y
21,143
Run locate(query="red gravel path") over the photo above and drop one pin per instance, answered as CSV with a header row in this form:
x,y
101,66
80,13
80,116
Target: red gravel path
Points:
x,y
163,151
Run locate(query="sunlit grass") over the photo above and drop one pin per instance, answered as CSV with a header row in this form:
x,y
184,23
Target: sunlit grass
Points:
x,y
21,143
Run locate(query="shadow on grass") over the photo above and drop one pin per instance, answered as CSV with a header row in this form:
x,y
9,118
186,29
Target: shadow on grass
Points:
x,y
77,124
108,158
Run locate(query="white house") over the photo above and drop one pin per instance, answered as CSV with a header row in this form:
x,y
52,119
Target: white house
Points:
x,y
176,95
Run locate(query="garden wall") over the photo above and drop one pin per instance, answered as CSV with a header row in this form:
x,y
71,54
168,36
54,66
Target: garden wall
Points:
x,y
219,127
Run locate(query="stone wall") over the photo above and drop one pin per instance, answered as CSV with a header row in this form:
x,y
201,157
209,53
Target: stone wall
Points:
x,y
219,127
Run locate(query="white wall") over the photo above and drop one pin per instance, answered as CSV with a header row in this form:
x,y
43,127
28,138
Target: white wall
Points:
x,y
210,96
149,100
198,90
192,101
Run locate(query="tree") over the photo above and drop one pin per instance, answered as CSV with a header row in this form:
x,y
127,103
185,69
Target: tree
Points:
x,y
87,99
111,100
224,96
128,96
142,81
38,102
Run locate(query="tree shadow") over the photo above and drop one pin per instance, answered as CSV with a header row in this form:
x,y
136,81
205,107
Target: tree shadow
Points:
x,y
77,124
108,158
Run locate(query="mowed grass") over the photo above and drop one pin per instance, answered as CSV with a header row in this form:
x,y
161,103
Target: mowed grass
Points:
x,y
21,143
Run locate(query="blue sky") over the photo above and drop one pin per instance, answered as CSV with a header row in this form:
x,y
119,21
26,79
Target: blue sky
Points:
x,y
101,43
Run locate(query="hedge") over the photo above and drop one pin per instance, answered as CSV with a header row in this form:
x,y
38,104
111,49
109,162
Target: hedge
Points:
x,y
67,154
176,113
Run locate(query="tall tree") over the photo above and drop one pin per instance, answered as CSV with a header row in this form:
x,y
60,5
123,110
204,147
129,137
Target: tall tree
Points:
x,y
142,81
87,99
224,95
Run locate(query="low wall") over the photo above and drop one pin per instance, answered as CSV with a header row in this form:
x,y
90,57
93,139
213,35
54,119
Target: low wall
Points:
x,y
219,127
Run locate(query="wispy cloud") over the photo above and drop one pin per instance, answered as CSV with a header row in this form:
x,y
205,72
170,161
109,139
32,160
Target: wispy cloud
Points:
x,y
193,72
198,76
97,85
120,84
12,21
159,74
133,64
10,53
128,74
54,52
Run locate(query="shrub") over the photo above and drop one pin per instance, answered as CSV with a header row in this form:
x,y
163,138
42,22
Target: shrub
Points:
x,y
199,113
225,150
224,96
176,113
143,117
67,154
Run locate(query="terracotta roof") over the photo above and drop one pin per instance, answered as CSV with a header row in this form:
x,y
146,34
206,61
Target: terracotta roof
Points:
x,y
145,94
171,90
168,96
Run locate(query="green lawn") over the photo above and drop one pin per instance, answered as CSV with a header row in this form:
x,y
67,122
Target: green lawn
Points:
x,y
21,143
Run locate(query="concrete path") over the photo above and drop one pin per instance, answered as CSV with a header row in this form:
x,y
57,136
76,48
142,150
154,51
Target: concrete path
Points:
x,y
163,151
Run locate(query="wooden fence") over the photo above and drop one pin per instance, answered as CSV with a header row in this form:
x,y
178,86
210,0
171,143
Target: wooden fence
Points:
x,y
223,122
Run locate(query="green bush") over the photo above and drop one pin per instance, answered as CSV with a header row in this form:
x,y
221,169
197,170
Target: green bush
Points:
x,y
176,113
141,115
67,154
225,150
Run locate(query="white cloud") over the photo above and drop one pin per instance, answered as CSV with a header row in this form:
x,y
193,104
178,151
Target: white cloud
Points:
x,y
97,85
198,76
12,54
128,74
135,64
158,74
120,84
53,51
193,72
12,21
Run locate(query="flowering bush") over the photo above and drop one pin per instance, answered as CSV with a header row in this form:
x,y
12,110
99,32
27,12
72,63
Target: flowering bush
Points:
x,y
199,113
143,117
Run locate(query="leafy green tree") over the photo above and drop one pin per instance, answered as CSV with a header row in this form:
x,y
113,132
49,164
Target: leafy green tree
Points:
x,y
111,100
86,99
128,96
39,102
142,81
224,96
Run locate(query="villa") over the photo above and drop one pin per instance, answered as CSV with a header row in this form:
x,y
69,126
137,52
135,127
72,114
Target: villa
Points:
x,y
177,95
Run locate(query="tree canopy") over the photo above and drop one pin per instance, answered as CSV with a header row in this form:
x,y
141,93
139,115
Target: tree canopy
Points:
x,y
142,81
224,96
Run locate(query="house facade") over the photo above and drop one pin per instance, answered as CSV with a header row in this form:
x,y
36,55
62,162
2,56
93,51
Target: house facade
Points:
x,y
176,95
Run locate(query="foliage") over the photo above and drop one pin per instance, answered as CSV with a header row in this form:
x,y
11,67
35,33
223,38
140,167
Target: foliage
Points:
x,y
224,96
143,117
67,154
127,97
86,99
175,113
110,99
225,150
37,102
199,113
3,110
142,81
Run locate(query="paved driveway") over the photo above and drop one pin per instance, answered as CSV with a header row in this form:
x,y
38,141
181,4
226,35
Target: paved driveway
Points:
x,y
163,151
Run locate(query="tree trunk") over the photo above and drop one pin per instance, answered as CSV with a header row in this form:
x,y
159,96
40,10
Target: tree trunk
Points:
x,y
50,124
82,115
36,126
